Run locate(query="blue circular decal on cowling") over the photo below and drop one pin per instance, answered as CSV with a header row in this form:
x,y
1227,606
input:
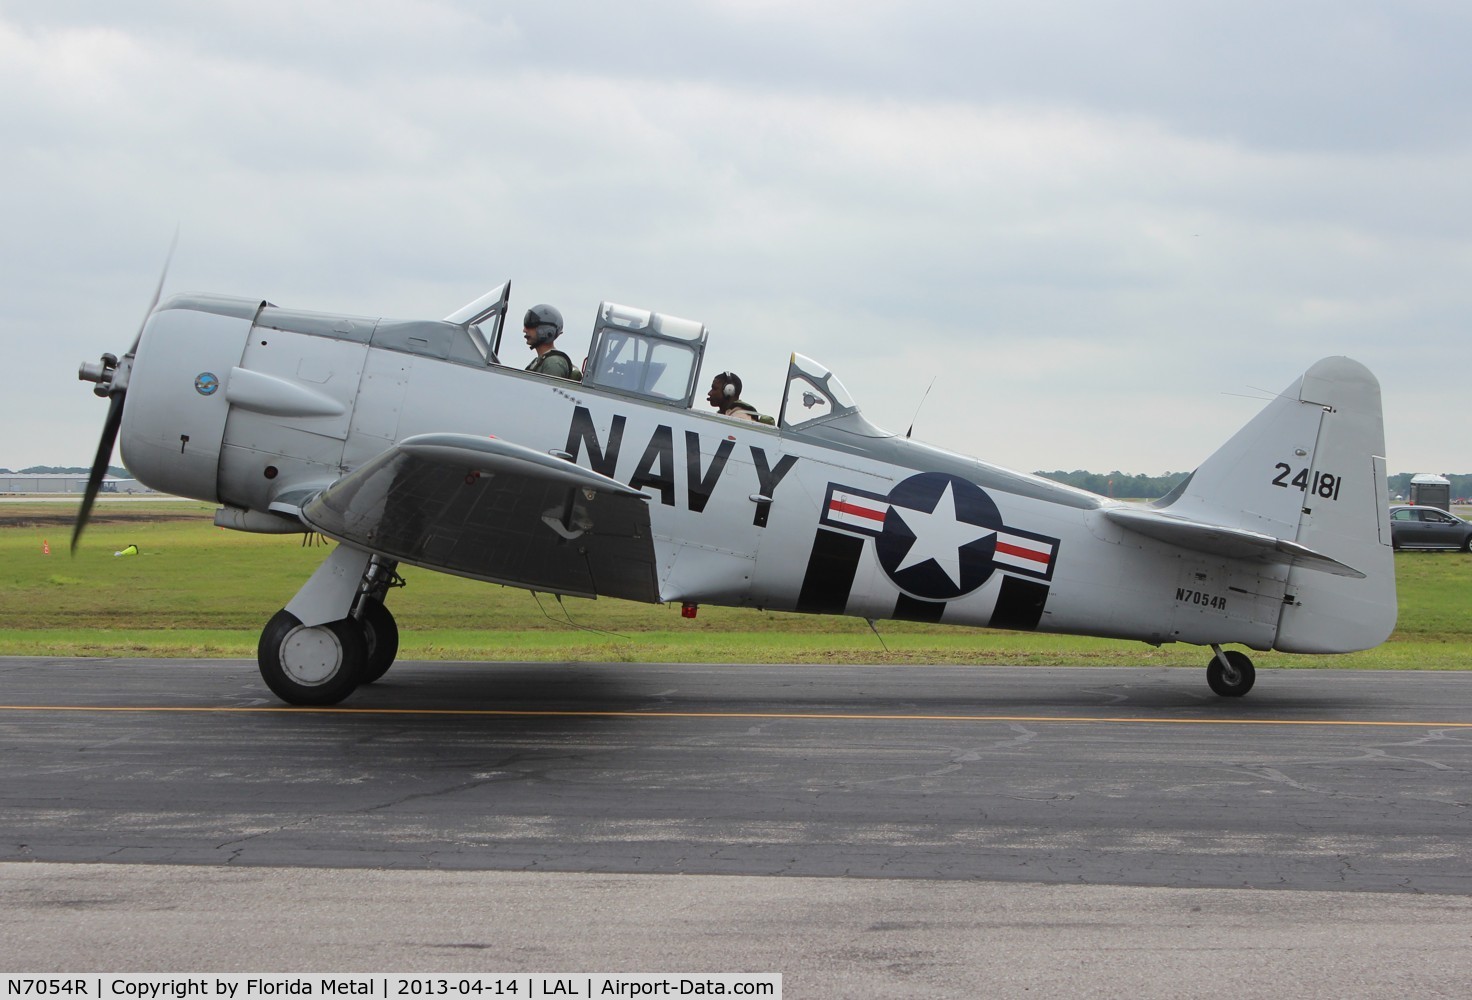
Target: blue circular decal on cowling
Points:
x,y
205,383
939,536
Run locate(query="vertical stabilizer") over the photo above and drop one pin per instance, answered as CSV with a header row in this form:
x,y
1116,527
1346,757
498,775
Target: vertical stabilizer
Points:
x,y
1345,516
1249,482
1310,468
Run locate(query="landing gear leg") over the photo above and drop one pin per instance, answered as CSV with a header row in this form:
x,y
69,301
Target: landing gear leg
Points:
x,y
380,631
1230,673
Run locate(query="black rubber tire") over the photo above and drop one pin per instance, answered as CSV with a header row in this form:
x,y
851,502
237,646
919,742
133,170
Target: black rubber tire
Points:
x,y
381,634
317,665
1234,683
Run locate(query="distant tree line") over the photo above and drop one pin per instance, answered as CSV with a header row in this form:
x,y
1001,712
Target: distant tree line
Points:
x,y
116,471
1123,485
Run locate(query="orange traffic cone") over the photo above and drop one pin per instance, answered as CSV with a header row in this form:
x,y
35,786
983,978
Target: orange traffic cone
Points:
x,y
45,547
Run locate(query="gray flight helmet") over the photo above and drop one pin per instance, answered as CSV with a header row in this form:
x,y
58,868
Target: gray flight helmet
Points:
x,y
546,320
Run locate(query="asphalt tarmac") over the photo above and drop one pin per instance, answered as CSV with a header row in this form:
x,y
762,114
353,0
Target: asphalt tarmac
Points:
x,y
940,813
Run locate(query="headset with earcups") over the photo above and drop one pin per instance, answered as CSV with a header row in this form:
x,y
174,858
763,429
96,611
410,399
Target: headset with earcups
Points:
x,y
732,384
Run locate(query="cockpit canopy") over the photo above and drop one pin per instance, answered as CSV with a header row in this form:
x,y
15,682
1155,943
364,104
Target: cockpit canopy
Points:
x,y
642,353
657,357
634,351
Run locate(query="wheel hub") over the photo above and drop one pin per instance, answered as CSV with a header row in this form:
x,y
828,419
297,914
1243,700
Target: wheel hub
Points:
x,y
310,656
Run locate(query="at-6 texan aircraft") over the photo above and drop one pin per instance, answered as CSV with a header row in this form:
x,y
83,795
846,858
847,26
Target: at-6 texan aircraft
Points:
x,y
409,442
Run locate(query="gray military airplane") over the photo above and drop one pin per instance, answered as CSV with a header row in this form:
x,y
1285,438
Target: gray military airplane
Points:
x,y
408,442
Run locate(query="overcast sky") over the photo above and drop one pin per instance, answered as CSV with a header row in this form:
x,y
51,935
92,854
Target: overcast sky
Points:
x,y
1101,228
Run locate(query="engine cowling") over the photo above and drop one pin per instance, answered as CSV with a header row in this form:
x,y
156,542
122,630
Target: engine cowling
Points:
x,y
174,421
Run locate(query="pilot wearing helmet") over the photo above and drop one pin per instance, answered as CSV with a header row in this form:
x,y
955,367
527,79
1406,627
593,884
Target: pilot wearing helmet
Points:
x,y
542,326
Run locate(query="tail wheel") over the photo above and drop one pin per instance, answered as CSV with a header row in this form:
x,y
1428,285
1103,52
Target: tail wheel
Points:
x,y
311,664
381,633
1234,679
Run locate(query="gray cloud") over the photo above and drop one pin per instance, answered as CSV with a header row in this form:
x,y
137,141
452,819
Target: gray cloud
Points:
x,y
1091,227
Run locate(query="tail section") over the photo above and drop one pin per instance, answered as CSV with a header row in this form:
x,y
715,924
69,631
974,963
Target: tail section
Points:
x,y
1310,470
1345,515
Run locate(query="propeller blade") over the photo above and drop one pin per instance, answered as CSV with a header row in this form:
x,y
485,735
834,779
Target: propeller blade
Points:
x,y
159,290
112,381
99,465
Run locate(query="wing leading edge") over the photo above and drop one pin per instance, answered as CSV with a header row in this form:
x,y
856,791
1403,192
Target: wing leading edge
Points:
x,y
1220,540
495,511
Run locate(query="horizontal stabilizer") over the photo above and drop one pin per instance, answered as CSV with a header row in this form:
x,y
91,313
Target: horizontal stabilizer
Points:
x,y
1233,543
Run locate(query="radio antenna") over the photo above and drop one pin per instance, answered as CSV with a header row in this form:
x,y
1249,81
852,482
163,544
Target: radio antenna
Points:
x,y
922,403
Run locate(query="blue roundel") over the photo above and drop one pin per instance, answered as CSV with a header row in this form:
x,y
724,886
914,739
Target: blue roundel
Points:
x,y
939,536
205,383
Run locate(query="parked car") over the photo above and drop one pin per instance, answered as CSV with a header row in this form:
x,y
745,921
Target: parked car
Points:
x,y
1420,527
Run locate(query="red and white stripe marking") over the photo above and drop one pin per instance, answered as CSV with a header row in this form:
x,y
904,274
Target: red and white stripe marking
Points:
x,y
856,511
1023,553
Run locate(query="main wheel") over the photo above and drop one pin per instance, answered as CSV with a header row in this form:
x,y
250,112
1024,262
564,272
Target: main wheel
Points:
x,y
1233,680
311,665
381,633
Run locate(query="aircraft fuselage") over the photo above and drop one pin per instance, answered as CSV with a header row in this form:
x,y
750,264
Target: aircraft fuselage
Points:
x,y
742,514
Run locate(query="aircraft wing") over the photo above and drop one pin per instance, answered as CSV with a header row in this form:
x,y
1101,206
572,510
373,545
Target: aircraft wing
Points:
x,y
1216,539
496,511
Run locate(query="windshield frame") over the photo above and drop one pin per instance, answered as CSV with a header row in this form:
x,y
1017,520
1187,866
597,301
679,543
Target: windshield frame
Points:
x,y
823,386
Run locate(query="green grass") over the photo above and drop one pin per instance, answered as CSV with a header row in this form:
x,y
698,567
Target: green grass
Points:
x,y
200,591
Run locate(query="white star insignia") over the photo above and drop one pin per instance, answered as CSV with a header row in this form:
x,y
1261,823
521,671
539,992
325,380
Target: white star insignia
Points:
x,y
939,535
